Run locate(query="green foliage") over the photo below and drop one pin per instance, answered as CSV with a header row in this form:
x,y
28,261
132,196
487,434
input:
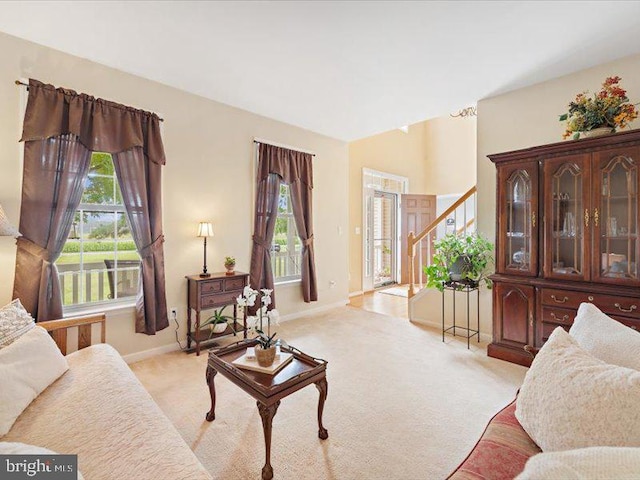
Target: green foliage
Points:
x,y
100,246
229,261
264,340
476,250
106,230
216,318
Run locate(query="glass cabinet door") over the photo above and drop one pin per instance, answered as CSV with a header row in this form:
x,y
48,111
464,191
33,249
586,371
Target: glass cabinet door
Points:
x,y
567,218
518,219
615,217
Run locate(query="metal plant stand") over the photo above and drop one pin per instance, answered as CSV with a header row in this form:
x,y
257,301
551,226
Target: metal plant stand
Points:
x,y
463,286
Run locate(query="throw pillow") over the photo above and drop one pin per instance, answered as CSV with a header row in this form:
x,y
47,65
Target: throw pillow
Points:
x,y
584,464
570,399
605,338
27,367
15,448
14,322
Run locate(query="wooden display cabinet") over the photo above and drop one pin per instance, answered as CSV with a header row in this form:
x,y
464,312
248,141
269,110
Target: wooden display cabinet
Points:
x,y
567,233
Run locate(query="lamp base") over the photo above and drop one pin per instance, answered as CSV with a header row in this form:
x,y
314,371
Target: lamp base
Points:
x,y
205,275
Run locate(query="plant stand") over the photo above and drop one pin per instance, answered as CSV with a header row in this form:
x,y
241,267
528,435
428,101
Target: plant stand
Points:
x,y
463,286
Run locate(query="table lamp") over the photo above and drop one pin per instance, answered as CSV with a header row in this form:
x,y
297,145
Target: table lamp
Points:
x,y
205,229
6,228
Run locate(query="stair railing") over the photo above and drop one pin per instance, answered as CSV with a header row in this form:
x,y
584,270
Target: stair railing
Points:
x,y
414,242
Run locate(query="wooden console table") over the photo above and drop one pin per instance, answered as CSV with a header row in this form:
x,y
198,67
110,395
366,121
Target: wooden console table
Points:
x,y
268,390
216,291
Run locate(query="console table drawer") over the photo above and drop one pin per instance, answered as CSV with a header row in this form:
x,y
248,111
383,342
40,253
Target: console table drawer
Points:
x,y
558,316
212,286
234,284
609,304
218,300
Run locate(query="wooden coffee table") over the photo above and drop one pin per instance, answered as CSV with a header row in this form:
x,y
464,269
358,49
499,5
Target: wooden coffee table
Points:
x,y
268,390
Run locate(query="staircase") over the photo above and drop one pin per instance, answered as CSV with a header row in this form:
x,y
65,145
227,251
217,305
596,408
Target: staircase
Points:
x,y
459,218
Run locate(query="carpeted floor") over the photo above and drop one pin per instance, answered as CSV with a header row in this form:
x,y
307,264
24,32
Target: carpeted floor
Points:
x,y
401,404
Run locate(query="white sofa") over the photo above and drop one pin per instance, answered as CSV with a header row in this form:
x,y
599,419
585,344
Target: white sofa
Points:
x,y
100,411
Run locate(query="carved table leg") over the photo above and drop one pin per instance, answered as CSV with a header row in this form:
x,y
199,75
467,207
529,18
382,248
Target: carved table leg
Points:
x,y
322,387
211,373
267,414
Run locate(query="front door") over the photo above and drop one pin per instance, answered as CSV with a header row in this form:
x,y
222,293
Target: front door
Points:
x,y
417,212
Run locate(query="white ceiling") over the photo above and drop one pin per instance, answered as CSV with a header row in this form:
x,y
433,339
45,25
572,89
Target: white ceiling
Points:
x,y
344,69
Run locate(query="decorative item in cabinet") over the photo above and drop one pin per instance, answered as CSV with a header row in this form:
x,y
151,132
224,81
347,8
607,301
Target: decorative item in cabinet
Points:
x,y
216,291
587,239
518,219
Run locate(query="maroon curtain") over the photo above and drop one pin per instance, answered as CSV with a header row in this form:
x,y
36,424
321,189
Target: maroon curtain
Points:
x,y
295,169
261,273
53,181
138,179
81,124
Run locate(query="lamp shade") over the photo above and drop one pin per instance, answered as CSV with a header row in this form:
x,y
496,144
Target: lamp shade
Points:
x,y
6,228
205,229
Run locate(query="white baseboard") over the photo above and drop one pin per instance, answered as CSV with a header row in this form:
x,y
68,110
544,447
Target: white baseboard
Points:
x,y
312,311
484,337
152,352
356,294
173,347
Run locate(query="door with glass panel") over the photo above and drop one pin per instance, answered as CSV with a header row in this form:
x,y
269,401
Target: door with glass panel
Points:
x,y
518,220
567,217
385,209
615,216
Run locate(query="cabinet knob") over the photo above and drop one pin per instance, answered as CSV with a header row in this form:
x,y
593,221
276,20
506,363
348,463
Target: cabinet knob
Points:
x,y
555,299
564,317
590,298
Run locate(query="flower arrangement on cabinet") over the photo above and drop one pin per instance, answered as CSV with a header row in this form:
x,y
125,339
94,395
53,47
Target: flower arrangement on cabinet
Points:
x,y
255,323
610,109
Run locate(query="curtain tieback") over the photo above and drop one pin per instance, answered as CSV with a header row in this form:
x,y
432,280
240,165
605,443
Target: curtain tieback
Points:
x,y
261,242
153,247
33,248
308,242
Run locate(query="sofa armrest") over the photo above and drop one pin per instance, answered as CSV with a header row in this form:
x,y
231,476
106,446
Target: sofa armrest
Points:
x,y
58,330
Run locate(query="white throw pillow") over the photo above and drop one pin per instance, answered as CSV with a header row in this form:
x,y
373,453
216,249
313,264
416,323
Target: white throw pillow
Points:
x,y
605,338
584,464
570,399
15,448
27,367
14,322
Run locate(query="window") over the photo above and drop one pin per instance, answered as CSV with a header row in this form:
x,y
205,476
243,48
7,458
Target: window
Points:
x,y
286,251
99,262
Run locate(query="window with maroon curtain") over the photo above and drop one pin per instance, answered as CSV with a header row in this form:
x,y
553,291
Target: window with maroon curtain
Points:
x,y
276,165
61,130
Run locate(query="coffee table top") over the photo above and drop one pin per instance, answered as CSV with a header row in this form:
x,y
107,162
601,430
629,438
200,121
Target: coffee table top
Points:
x,y
302,370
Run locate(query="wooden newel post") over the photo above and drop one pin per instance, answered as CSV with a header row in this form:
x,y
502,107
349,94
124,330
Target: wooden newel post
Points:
x,y
411,252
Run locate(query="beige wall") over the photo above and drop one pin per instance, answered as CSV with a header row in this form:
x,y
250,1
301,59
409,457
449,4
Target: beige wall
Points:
x,y
529,117
436,155
208,176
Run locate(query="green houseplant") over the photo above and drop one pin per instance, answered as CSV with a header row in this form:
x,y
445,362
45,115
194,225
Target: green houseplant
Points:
x,y
230,265
217,322
460,257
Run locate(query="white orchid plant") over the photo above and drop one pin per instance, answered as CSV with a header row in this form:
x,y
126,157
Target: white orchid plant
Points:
x,y
255,323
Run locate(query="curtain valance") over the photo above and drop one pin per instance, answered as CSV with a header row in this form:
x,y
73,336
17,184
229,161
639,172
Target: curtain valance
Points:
x,y
290,165
100,125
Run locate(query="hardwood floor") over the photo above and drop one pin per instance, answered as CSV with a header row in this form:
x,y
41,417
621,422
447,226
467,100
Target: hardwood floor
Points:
x,y
383,303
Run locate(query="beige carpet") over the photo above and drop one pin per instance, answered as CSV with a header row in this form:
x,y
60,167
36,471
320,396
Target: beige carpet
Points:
x,y
401,404
399,291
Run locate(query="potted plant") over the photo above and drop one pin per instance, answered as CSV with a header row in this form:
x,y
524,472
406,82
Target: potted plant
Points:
x,y
460,258
217,322
266,346
603,113
230,265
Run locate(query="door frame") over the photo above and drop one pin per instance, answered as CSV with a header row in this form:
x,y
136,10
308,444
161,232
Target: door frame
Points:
x,y
367,200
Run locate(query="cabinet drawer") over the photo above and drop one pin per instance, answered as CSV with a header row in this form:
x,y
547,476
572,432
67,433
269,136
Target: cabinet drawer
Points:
x,y
233,284
219,300
548,328
558,316
213,286
563,298
625,306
